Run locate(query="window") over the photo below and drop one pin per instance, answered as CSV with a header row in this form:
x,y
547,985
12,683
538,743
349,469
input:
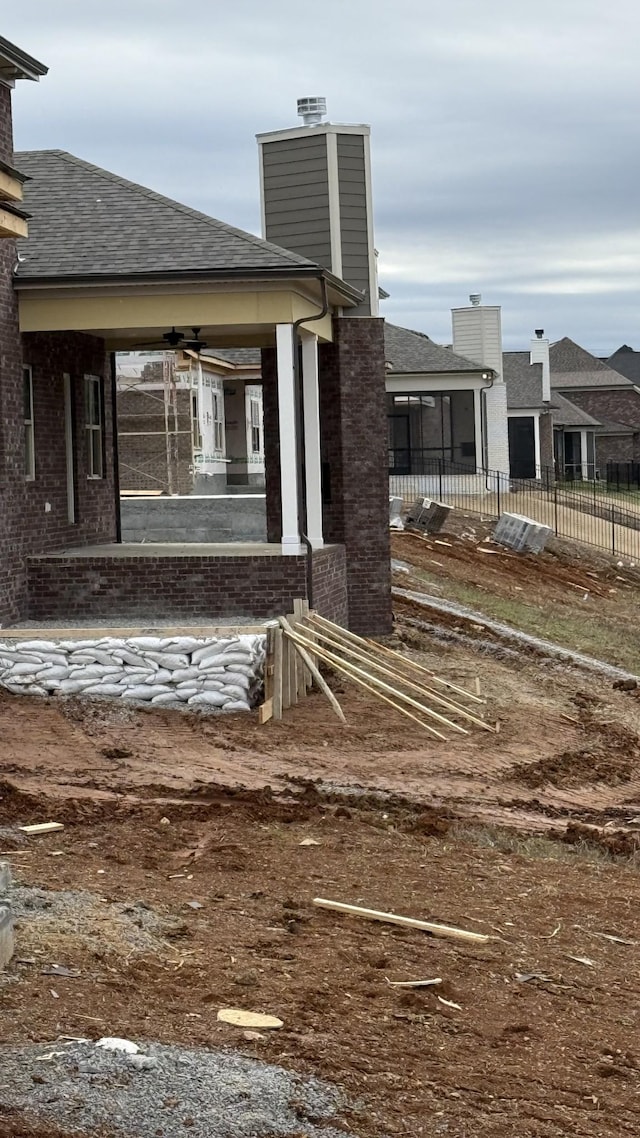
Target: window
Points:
x,y
29,436
256,426
196,434
93,426
218,421
429,432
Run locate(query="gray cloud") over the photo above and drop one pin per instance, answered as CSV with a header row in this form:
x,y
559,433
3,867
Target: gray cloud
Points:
x,y
505,139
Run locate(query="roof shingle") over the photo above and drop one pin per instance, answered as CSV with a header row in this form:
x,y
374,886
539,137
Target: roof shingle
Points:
x,y
89,222
572,366
409,352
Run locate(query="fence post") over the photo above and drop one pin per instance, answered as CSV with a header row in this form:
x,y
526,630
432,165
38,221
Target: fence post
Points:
x,y
555,507
498,481
613,529
439,479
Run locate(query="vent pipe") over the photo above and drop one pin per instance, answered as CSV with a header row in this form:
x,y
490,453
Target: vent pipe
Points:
x,y
312,110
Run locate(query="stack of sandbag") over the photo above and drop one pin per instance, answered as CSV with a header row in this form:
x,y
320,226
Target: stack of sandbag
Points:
x,y
223,673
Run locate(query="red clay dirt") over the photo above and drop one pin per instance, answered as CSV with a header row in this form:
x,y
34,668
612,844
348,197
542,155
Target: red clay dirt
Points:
x,y
535,1038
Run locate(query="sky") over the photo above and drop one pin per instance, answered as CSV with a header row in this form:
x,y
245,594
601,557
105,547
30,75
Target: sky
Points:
x,y
505,134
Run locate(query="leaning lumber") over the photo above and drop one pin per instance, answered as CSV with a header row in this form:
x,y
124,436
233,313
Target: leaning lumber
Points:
x,y
368,658
446,931
316,619
315,672
337,664
380,685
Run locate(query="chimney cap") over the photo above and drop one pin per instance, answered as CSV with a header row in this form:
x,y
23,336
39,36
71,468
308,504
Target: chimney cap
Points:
x,y
312,109
539,333
475,298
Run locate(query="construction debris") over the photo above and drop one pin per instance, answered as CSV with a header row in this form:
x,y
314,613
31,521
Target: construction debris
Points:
x,y
446,931
240,1018
42,828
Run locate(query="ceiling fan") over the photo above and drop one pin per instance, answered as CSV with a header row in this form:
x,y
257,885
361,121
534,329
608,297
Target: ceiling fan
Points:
x,y
175,339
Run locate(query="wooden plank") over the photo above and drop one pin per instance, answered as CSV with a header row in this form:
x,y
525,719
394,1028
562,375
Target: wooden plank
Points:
x,y
446,931
42,828
314,670
380,685
286,674
265,711
277,673
337,665
200,631
393,673
294,660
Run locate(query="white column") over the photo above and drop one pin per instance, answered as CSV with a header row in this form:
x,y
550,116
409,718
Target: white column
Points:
x,y
313,461
287,425
584,457
536,443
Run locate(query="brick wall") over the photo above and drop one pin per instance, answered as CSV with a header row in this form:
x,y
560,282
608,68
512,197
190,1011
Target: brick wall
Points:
x,y
354,453
546,441
605,404
6,129
181,588
615,448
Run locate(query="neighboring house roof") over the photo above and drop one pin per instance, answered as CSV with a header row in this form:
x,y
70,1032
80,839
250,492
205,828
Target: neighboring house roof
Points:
x,y
572,366
409,353
609,427
245,357
566,414
88,222
16,64
627,362
523,380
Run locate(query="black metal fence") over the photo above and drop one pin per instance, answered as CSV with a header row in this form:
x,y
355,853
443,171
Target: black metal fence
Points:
x,y
598,513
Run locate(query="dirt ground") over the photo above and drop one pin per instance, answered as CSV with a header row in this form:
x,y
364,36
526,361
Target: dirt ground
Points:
x,y
529,836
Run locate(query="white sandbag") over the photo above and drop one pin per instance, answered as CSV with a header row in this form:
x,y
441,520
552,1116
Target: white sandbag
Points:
x,y
182,674
181,643
171,698
59,659
239,679
71,687
110,690
213,648
92,671
145,691
234,692
27,669
92,656
207,663
208,699
133,679
236,705
133,659
75,645
213,685
36,645
184,691
168,659
236,657
162,676
20,681
51,672
154,643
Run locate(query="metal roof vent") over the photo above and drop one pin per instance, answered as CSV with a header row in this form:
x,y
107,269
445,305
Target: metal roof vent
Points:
x,y
476,299
539,333
312,110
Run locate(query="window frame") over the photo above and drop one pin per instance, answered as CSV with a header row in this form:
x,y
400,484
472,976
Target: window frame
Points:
x,y
91,429
196,433
217,408
256,426
29,425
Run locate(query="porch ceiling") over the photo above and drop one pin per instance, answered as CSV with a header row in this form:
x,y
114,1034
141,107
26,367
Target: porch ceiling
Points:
x,y
128,316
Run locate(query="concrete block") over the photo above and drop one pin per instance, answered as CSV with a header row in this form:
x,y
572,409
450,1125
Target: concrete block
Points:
x,y
520,533
428,515
5,879
6,935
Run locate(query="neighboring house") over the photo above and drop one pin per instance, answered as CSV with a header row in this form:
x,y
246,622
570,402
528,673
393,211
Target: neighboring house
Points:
x,y
529,414
112,266
190,422
603,393
627,362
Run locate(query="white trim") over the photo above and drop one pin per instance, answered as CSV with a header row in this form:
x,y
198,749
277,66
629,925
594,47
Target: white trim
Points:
x,y
477,416
287,430
69,449
374,296
309,131
333,188
312,454
584,456
263,208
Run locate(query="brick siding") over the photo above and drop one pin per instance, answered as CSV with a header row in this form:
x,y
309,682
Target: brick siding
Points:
x,y
546,441
613,406
182,588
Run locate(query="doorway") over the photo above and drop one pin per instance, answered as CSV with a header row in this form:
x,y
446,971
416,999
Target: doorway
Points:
x,y
522,447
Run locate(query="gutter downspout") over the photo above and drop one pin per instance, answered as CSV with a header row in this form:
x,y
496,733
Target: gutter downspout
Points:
x,y
115,456
483,425
302,525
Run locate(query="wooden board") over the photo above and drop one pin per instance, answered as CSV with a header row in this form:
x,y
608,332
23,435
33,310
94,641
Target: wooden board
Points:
x,y
200,631
42,828
277,673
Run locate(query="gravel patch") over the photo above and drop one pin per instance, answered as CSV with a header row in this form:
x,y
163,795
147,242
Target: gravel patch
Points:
x,y
164,1091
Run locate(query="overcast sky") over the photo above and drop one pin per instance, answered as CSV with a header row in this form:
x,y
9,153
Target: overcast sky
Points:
x,y
505,134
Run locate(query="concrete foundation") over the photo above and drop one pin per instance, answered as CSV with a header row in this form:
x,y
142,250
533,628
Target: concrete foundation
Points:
x,y
208,518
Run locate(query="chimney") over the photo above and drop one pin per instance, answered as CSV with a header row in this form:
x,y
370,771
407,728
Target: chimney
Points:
x,y
315,186
477,333
539,354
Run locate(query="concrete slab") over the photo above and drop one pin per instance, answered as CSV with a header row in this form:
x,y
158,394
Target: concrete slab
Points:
x,y
6,935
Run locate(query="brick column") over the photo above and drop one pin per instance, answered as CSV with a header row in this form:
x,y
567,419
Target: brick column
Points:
x,y
353,425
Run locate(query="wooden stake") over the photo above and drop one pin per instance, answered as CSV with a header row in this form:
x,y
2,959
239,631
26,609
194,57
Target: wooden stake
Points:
x,y
334,661
393,691
318,677
277,673
447,931
367,658
373,644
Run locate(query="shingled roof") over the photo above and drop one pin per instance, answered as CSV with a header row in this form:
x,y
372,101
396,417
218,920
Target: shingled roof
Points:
x,y
88,222
409,353
523,380
567,414
572,366
627,362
